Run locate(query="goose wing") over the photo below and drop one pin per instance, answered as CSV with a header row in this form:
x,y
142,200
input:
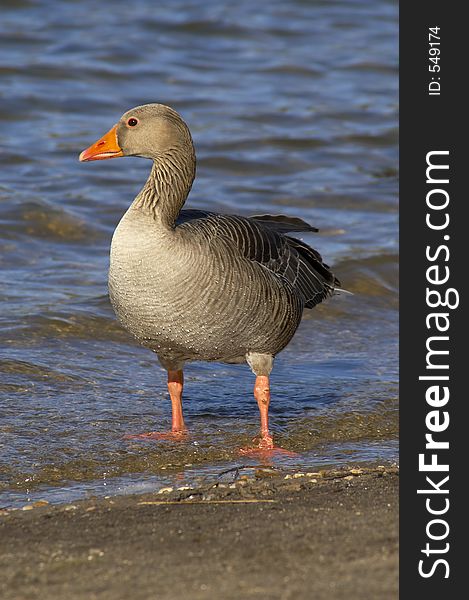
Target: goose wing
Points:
x,y
262,239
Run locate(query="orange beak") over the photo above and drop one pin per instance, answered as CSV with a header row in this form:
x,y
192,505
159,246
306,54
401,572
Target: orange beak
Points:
x,y
106,147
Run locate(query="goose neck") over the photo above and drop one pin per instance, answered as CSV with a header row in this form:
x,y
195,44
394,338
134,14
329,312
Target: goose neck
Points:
x,y
167,187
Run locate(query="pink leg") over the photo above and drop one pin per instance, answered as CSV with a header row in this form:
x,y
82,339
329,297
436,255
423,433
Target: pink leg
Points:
x,y
175,387
265,445
262,395
178,428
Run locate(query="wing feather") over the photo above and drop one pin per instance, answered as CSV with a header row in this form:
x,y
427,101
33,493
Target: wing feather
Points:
x,y
262,239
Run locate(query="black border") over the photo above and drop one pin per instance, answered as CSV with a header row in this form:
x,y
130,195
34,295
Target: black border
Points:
x,y
431,123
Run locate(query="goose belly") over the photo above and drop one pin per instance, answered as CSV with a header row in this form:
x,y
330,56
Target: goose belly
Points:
x,y
198,305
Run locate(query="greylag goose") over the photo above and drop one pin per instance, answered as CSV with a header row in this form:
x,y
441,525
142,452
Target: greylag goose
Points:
x,y
196,285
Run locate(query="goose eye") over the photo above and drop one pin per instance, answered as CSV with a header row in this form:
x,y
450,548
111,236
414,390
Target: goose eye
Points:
x,y
132,122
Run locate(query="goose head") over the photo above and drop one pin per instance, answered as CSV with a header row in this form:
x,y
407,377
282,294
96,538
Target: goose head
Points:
x,y
149,131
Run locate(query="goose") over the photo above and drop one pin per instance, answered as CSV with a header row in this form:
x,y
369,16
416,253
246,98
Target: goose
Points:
x,y
194,285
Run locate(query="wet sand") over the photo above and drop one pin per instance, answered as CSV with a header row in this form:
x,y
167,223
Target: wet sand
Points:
x,y
327,535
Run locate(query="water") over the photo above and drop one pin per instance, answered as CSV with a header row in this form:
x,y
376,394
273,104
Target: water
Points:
x,y
293,108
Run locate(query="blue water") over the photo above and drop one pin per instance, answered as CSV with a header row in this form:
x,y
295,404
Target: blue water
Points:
x,y
293,109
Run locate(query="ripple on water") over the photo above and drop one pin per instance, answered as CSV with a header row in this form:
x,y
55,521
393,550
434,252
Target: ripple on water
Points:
x,y
293,109
329,433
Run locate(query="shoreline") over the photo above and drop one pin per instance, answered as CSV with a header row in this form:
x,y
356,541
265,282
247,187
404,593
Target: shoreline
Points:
x,y
331,533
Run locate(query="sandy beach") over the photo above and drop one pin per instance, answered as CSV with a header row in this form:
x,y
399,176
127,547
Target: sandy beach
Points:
x,y
324,535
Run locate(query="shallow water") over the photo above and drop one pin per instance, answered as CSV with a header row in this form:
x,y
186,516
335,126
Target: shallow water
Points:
x,y
293,108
